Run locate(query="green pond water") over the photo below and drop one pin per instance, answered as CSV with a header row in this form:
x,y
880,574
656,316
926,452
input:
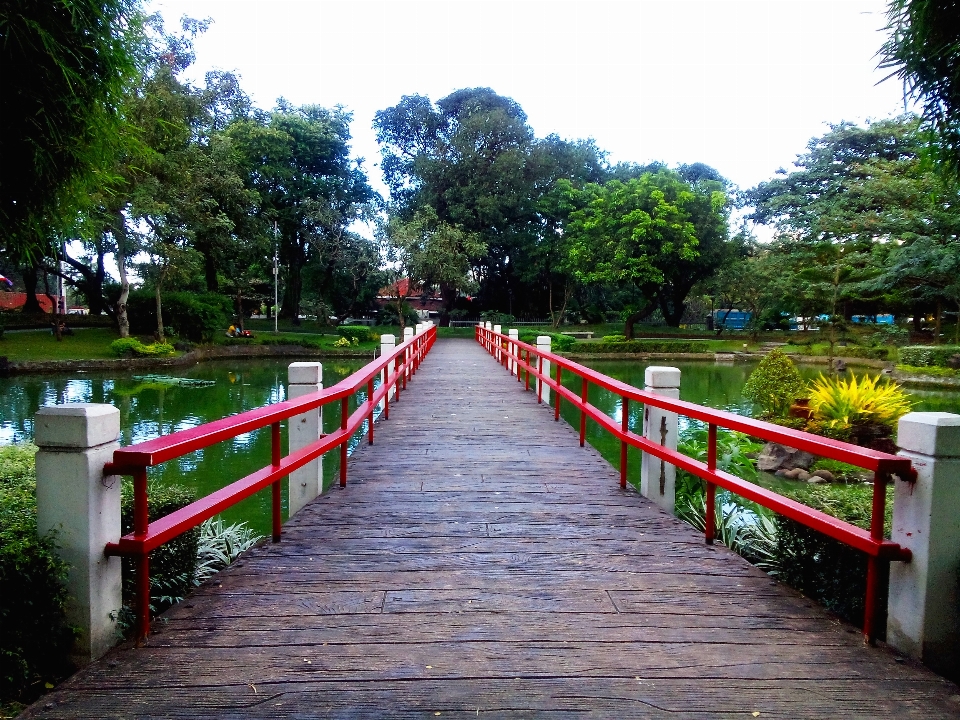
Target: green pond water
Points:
x,y
148,410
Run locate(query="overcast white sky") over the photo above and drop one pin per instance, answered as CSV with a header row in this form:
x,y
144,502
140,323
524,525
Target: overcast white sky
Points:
x,y
739,85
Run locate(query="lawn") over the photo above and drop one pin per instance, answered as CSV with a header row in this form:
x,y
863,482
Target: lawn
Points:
x,y
33,345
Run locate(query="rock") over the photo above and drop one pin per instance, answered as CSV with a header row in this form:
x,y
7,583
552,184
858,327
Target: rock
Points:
x,y
780,473
815,480
801,474
826,475
791,474
774,456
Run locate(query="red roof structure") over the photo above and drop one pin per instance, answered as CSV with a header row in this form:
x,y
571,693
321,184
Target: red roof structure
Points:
x,y
414,295
16,300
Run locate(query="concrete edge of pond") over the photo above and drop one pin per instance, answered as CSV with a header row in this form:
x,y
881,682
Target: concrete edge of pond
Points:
x,y
212,352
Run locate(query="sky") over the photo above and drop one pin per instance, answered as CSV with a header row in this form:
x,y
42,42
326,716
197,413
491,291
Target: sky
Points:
x,y
739,85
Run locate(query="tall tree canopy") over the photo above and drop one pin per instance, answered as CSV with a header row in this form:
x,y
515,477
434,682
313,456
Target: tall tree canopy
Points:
x,y
65,66
923,50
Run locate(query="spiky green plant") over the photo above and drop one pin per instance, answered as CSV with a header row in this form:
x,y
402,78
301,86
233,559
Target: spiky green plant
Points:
x,y
220,545
839,403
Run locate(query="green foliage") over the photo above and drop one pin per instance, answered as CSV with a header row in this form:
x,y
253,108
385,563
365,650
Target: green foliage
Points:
x,y
362,333
132,347
644,346
826,569
889,335
929,355
931,371
194,316
614,338
839,403
558,341
34,637
172,565
219,545
774,384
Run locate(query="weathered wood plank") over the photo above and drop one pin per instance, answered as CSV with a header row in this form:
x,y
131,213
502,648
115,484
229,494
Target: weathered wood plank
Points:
x,y
481,562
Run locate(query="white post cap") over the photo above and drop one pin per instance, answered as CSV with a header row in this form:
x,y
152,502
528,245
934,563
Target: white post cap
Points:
x,y
930,433
544,340
388,339
513,333
304,373
661,377
76,425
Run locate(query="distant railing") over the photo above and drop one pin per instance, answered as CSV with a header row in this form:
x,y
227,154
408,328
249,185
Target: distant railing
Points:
x,y
528,361
135,459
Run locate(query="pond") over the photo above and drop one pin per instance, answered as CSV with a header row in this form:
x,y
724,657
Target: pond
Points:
x,y
716,385
151,409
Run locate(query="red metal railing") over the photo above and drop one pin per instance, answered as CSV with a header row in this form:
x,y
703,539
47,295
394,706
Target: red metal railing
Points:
x,y
135,459
517,355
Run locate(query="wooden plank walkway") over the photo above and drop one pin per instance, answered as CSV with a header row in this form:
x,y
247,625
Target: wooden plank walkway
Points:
x,y
481,563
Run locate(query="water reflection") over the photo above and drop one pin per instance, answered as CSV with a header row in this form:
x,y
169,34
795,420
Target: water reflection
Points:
x,y
151,409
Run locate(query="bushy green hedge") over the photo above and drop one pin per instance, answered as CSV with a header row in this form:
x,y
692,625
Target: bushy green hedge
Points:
x,y
172,565
857,351
194,316
361,332
558,341
645,346
826,569
132,347
35,639
928,355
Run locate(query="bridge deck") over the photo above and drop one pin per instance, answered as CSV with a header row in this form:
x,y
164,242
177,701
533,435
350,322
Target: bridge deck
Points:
x,y
481,563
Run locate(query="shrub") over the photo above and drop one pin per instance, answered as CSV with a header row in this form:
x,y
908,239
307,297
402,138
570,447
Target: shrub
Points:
x,y
839,403
889,335
558,341
929,355
195,316
774,384
35,639
132,347
172,565
614,338
645,346
870,353
361,332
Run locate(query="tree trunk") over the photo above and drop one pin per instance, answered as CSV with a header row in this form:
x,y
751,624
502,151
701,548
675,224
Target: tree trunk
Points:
x,y
629,323
239,306
120,234
160,337
936,323
31,273
449,294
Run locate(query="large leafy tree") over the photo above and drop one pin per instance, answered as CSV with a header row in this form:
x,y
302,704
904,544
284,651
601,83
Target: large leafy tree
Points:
x,y
65,67
632,234
298,161
923,50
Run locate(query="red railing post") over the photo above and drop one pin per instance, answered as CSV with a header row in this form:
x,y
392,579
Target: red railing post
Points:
x,y
344,416
583,411
624,428
709,519
141,525
877,520
556,408
526,372
370,418
275,457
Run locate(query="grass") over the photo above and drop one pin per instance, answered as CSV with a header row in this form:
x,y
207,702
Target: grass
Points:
x,y
34,345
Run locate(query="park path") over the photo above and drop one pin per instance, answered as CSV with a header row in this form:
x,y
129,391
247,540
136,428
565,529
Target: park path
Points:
x,y
481,564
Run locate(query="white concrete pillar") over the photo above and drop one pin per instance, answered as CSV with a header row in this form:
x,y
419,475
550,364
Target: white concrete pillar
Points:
x,y
419,328
657,477
407,335
388,343
514,339
543,345
498,329
82,508
923,618
305,483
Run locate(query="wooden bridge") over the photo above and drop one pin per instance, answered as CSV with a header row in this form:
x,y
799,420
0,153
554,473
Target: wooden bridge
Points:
x,y
481,563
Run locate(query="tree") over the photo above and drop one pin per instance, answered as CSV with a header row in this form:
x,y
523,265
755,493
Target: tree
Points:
x,y
297,159
436,253
65,65
633,234
923,50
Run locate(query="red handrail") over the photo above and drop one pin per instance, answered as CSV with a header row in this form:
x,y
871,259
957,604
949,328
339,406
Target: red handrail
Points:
x,y
512,352
135,459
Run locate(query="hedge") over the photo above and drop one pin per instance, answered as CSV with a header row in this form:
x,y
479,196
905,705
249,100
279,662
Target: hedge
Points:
x,y
645,346
929,355
558,341
361,332
194,316
35,639
856,351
